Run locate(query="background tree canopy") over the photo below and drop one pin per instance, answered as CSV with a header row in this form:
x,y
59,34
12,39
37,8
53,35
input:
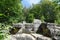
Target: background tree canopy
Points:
x,y
10,11
47,11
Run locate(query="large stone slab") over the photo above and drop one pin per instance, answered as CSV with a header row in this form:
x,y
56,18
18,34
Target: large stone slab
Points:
x,y
30,37
24,37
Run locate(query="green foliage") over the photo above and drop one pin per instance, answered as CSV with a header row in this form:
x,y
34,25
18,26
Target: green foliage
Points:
x,y
29,18
36,11
46,11
57,1
11,9
58,14
4,31
58,18
3,36
42,18
3,18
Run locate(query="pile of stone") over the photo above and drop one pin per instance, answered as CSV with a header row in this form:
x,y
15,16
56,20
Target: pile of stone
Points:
x,y
32,30
26,27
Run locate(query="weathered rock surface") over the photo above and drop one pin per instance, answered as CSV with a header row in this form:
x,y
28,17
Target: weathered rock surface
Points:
x,y
55,30
29,37
36,23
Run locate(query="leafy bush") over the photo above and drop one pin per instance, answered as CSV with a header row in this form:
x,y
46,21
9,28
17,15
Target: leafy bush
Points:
x,y
29,18
4,31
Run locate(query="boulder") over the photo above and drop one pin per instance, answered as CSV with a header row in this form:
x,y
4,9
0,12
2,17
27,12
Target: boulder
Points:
x,y
44,30
36,23
15,28
24,36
